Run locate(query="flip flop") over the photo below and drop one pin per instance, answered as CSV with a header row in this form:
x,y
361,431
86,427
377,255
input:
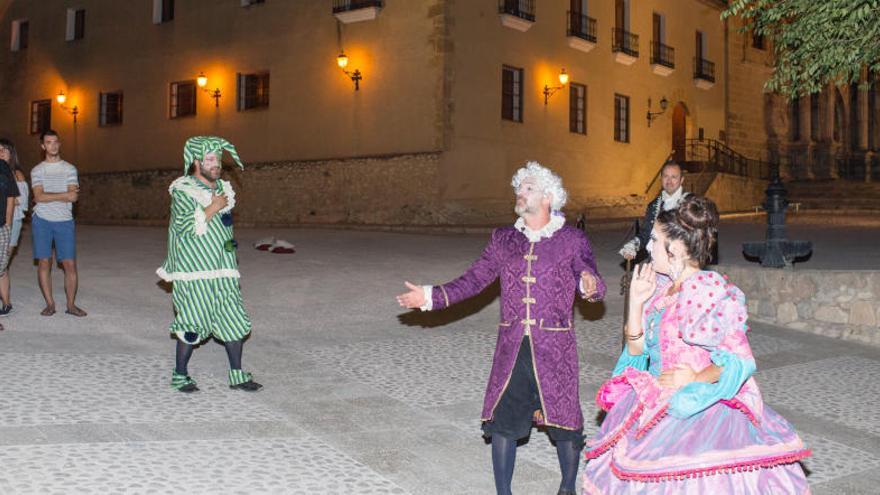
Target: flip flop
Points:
x,y
47,311
264,244
282,246
75,312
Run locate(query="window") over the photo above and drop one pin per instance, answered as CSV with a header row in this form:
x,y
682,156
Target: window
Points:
x,y
621,118
511,94
524,9
76,24
110,109
20,30
183,99
814,117
795,119
41,116
757,41
577,108
253,90
163,11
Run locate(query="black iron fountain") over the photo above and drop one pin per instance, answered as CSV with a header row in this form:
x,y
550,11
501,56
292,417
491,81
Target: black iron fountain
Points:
x,y
777,251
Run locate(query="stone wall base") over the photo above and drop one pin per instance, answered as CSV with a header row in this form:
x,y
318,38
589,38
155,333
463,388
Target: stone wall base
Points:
x,y
841,304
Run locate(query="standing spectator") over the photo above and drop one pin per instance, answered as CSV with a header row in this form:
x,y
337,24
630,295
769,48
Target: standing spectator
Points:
x,y
20,204
56,188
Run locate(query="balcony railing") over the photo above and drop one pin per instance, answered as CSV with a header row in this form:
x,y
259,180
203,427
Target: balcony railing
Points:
x,y
524,9
581,26
704,69
349,5
624,42
662,55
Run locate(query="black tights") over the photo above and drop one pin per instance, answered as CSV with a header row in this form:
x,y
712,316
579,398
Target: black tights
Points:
x,y
185,351
504,459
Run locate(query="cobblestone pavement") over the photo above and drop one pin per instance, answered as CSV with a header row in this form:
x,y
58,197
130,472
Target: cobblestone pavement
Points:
x,y
359,397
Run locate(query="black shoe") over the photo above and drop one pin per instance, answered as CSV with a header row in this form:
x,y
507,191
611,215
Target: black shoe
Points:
x,y
563,491
188,388
248,386
5,309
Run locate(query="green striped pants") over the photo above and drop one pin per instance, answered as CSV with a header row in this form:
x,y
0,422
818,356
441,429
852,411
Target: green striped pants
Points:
x,y
210,308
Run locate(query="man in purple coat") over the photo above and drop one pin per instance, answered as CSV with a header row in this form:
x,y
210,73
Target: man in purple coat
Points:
x,y
541,263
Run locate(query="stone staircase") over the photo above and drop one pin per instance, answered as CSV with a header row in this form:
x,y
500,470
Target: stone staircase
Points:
x,y
833,194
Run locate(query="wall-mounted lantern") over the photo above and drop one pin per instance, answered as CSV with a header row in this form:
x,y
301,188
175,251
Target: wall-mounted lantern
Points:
x,y
342,62
653,115
61,98
202,81
548,91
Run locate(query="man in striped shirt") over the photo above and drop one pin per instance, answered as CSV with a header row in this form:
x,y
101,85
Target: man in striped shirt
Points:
x,y
202,264
56,188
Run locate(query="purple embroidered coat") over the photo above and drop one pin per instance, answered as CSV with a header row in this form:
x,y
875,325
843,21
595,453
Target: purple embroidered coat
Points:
x,y
538,284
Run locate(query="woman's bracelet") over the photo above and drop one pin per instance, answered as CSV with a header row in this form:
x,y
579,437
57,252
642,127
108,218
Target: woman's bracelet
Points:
x,y
635,337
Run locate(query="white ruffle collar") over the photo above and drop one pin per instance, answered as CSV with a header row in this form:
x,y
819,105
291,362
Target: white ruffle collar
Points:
x,y
202,195
556,222
671,201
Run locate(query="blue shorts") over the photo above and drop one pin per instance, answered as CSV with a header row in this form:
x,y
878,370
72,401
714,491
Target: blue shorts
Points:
x,y
63,234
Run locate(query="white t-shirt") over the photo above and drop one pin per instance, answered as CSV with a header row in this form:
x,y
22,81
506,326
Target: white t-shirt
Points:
x,y
54,177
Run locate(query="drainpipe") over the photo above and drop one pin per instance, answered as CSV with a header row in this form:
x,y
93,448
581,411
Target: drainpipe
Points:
x,y
726,82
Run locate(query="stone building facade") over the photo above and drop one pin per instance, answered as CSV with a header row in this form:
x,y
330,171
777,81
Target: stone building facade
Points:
x,y
452,97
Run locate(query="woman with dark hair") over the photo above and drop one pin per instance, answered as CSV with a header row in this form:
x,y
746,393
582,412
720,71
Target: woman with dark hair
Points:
x,y
684,414
8,153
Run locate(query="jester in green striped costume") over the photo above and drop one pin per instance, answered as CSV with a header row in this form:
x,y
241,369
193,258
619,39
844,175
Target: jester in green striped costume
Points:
x,y
202,264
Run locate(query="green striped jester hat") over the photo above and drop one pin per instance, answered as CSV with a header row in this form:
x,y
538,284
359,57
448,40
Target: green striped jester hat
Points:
x,y
198,146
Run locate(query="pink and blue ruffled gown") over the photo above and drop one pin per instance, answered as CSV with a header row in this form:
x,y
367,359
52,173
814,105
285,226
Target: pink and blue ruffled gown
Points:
x,y
704,438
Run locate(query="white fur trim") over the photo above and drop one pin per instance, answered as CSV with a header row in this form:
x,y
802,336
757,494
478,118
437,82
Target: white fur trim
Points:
x,y
190,276
429,299
556,222
202,196
201,222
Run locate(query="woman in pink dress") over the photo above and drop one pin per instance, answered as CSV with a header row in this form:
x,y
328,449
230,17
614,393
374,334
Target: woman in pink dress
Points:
x,y
684,415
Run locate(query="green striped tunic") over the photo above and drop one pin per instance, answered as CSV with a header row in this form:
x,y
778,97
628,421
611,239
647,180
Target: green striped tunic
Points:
x,y
207,298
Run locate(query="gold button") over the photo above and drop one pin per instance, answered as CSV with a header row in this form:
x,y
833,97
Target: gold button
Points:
x,y
529,300
528,322
529,280
530,257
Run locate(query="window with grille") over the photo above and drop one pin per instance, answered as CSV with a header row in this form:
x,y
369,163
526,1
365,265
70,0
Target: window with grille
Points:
x,y
253,90
577,108
182,99
621,118
110,108
511,94
41,116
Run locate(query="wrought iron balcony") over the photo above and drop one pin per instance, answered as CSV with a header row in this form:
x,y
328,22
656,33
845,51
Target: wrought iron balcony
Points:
x,y
581,26
349,5
704,69
524,9
662,55
624,42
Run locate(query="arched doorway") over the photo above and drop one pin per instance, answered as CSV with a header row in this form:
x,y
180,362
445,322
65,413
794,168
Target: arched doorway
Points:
x,y
679,132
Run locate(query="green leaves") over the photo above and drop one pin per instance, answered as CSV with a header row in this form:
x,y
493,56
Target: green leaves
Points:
x,y
815,42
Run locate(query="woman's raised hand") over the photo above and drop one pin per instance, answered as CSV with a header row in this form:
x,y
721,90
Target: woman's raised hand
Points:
x,y
644,282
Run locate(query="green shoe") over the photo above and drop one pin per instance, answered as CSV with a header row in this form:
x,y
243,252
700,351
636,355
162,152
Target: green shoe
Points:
x,y
183,383
242,380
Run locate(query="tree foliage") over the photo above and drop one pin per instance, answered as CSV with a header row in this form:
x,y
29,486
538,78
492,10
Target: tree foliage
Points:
x,y
815,42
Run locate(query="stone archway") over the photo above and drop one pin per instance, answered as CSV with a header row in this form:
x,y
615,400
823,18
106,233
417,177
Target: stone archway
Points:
x,y
679,132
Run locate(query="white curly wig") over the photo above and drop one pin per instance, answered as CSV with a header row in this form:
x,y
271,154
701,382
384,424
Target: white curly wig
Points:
x,y
549,182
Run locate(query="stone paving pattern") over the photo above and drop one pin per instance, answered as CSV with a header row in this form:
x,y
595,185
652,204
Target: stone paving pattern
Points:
x,y
359,396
